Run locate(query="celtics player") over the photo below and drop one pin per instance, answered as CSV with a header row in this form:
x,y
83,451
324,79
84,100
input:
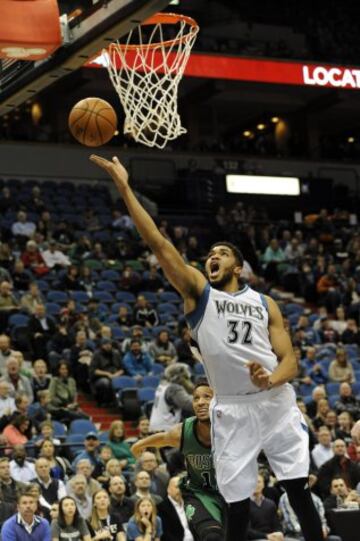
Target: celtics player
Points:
x,y
203,504
249,360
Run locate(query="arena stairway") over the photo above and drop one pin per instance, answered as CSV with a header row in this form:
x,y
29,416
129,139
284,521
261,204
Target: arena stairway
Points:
x,y
103,417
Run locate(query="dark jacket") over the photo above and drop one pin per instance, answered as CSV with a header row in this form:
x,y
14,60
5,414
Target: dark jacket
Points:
x,y
102,360
123,510
173,529
338,466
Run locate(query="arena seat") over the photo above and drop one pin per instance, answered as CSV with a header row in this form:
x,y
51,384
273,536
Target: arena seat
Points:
x,y
59,297
129,403
332,388
168,308
157,369
103,296
60,430
82,426
150,381
122,382
106,285
110,274
169,296
18,320
333,399
150,296
125,297
146,394
75,443
306,390
80,296
52,308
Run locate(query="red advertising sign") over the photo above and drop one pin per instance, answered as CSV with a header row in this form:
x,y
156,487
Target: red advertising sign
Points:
x,y
263,71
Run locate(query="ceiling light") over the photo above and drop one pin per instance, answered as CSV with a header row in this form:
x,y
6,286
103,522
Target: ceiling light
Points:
x,y
261,127
351,139
247,133
275,119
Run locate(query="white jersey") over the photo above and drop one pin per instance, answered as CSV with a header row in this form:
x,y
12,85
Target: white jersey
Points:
x,y
231,329
163,416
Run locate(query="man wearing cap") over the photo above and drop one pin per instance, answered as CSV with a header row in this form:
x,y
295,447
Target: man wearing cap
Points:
x,y
91,453
54,258
105,365
173,398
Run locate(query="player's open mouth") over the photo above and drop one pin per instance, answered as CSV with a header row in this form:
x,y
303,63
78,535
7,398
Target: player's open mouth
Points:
x,y
214,269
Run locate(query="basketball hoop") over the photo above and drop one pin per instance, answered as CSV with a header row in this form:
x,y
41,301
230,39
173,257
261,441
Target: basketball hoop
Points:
x,y
146,72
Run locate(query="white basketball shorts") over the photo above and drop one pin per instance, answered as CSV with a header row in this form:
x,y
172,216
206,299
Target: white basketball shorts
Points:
x,y
242,426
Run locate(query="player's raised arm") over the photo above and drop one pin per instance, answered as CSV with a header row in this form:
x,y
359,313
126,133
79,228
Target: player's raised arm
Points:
x,y
186,279
172,438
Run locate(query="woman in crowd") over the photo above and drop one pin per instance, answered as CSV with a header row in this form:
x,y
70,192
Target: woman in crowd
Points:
x,y
162,350
144,525
69,524
103,524
321,411
60,467
63,395
15,432
118,445
346,423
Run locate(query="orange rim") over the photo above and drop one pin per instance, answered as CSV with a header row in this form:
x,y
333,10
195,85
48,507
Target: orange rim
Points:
x,y
161,18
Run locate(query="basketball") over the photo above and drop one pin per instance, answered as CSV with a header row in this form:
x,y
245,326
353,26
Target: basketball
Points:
x,y
92,122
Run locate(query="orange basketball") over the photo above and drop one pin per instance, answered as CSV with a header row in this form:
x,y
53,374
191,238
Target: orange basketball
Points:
x,y
93,122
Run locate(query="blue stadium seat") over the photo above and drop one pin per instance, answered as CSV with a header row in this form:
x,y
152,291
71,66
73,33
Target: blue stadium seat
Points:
x,y
199,369
115,307
60,430
103,296
82,426
104,436
106,285
80,296
75,443
118,333
125,296
52,308
333,399
110,274
167,307
16,320
306,390
157,369
150,381
312,318
332,388
123,382
292,308
169,296
57,296
146,394
150,296
356,388
42,285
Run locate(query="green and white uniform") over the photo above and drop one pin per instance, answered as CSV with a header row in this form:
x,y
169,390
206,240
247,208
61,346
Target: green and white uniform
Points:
x,y
200,481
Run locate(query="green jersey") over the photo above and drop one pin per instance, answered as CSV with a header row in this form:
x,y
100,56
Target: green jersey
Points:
x,y
200,480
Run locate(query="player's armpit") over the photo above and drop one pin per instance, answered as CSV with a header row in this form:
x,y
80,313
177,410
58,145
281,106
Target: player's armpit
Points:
x,y
172,438
281,344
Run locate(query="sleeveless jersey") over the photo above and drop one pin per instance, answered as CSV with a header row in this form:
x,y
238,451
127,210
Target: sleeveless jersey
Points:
x,y
163,416
231,329
200,480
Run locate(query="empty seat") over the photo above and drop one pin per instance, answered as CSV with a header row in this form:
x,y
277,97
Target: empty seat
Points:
x,y
123,382
82,426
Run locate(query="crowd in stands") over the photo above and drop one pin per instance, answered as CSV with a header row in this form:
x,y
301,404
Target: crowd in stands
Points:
x,y
85,308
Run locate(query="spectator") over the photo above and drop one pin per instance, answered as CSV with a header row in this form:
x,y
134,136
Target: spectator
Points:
x,y
7,402
345,425
144,524
323,450
340,369
69,523
339,323
172,513
33,260
159,479
25,525
19,384
183,348
317,394
331,422
7,509
5,351
142,430
120,505
339,495
81,354
274,260
162,350
152,280
15,431
328,288
314,370
20,277
124,319
340,465
144,313
84,467
55,258
105,365
142,484
91,453
351,334
135,362
322,409
71,280
40,329
120,448
42,410
8,303
59,466
129,280
23,228
347,401
264,521
34,490
326,333
173,398
87,281
21,470
136,332
9,488
78,489
103,520
40,381
30,300
63,396
52,490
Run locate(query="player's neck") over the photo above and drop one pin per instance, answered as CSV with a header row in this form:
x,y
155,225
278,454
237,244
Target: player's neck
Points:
x,y
232,286
203,432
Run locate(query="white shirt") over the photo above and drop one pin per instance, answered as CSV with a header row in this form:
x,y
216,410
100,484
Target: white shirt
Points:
x,y
24,474
7,405
179,508
321,454
28,527
25,229
55,258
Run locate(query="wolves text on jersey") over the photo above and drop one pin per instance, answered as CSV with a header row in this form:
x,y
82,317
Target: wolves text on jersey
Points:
x,y
247,310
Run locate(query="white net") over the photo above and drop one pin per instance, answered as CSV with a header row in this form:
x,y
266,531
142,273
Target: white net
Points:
x,y
146,77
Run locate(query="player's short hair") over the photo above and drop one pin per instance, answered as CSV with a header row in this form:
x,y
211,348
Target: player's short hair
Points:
x,y
235,250
201,382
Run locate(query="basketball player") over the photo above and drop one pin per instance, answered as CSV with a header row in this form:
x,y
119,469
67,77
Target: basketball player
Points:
x,y
204,506
248,360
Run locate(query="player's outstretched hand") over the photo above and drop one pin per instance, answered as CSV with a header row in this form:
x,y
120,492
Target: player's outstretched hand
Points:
x,y
114,168
259,375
